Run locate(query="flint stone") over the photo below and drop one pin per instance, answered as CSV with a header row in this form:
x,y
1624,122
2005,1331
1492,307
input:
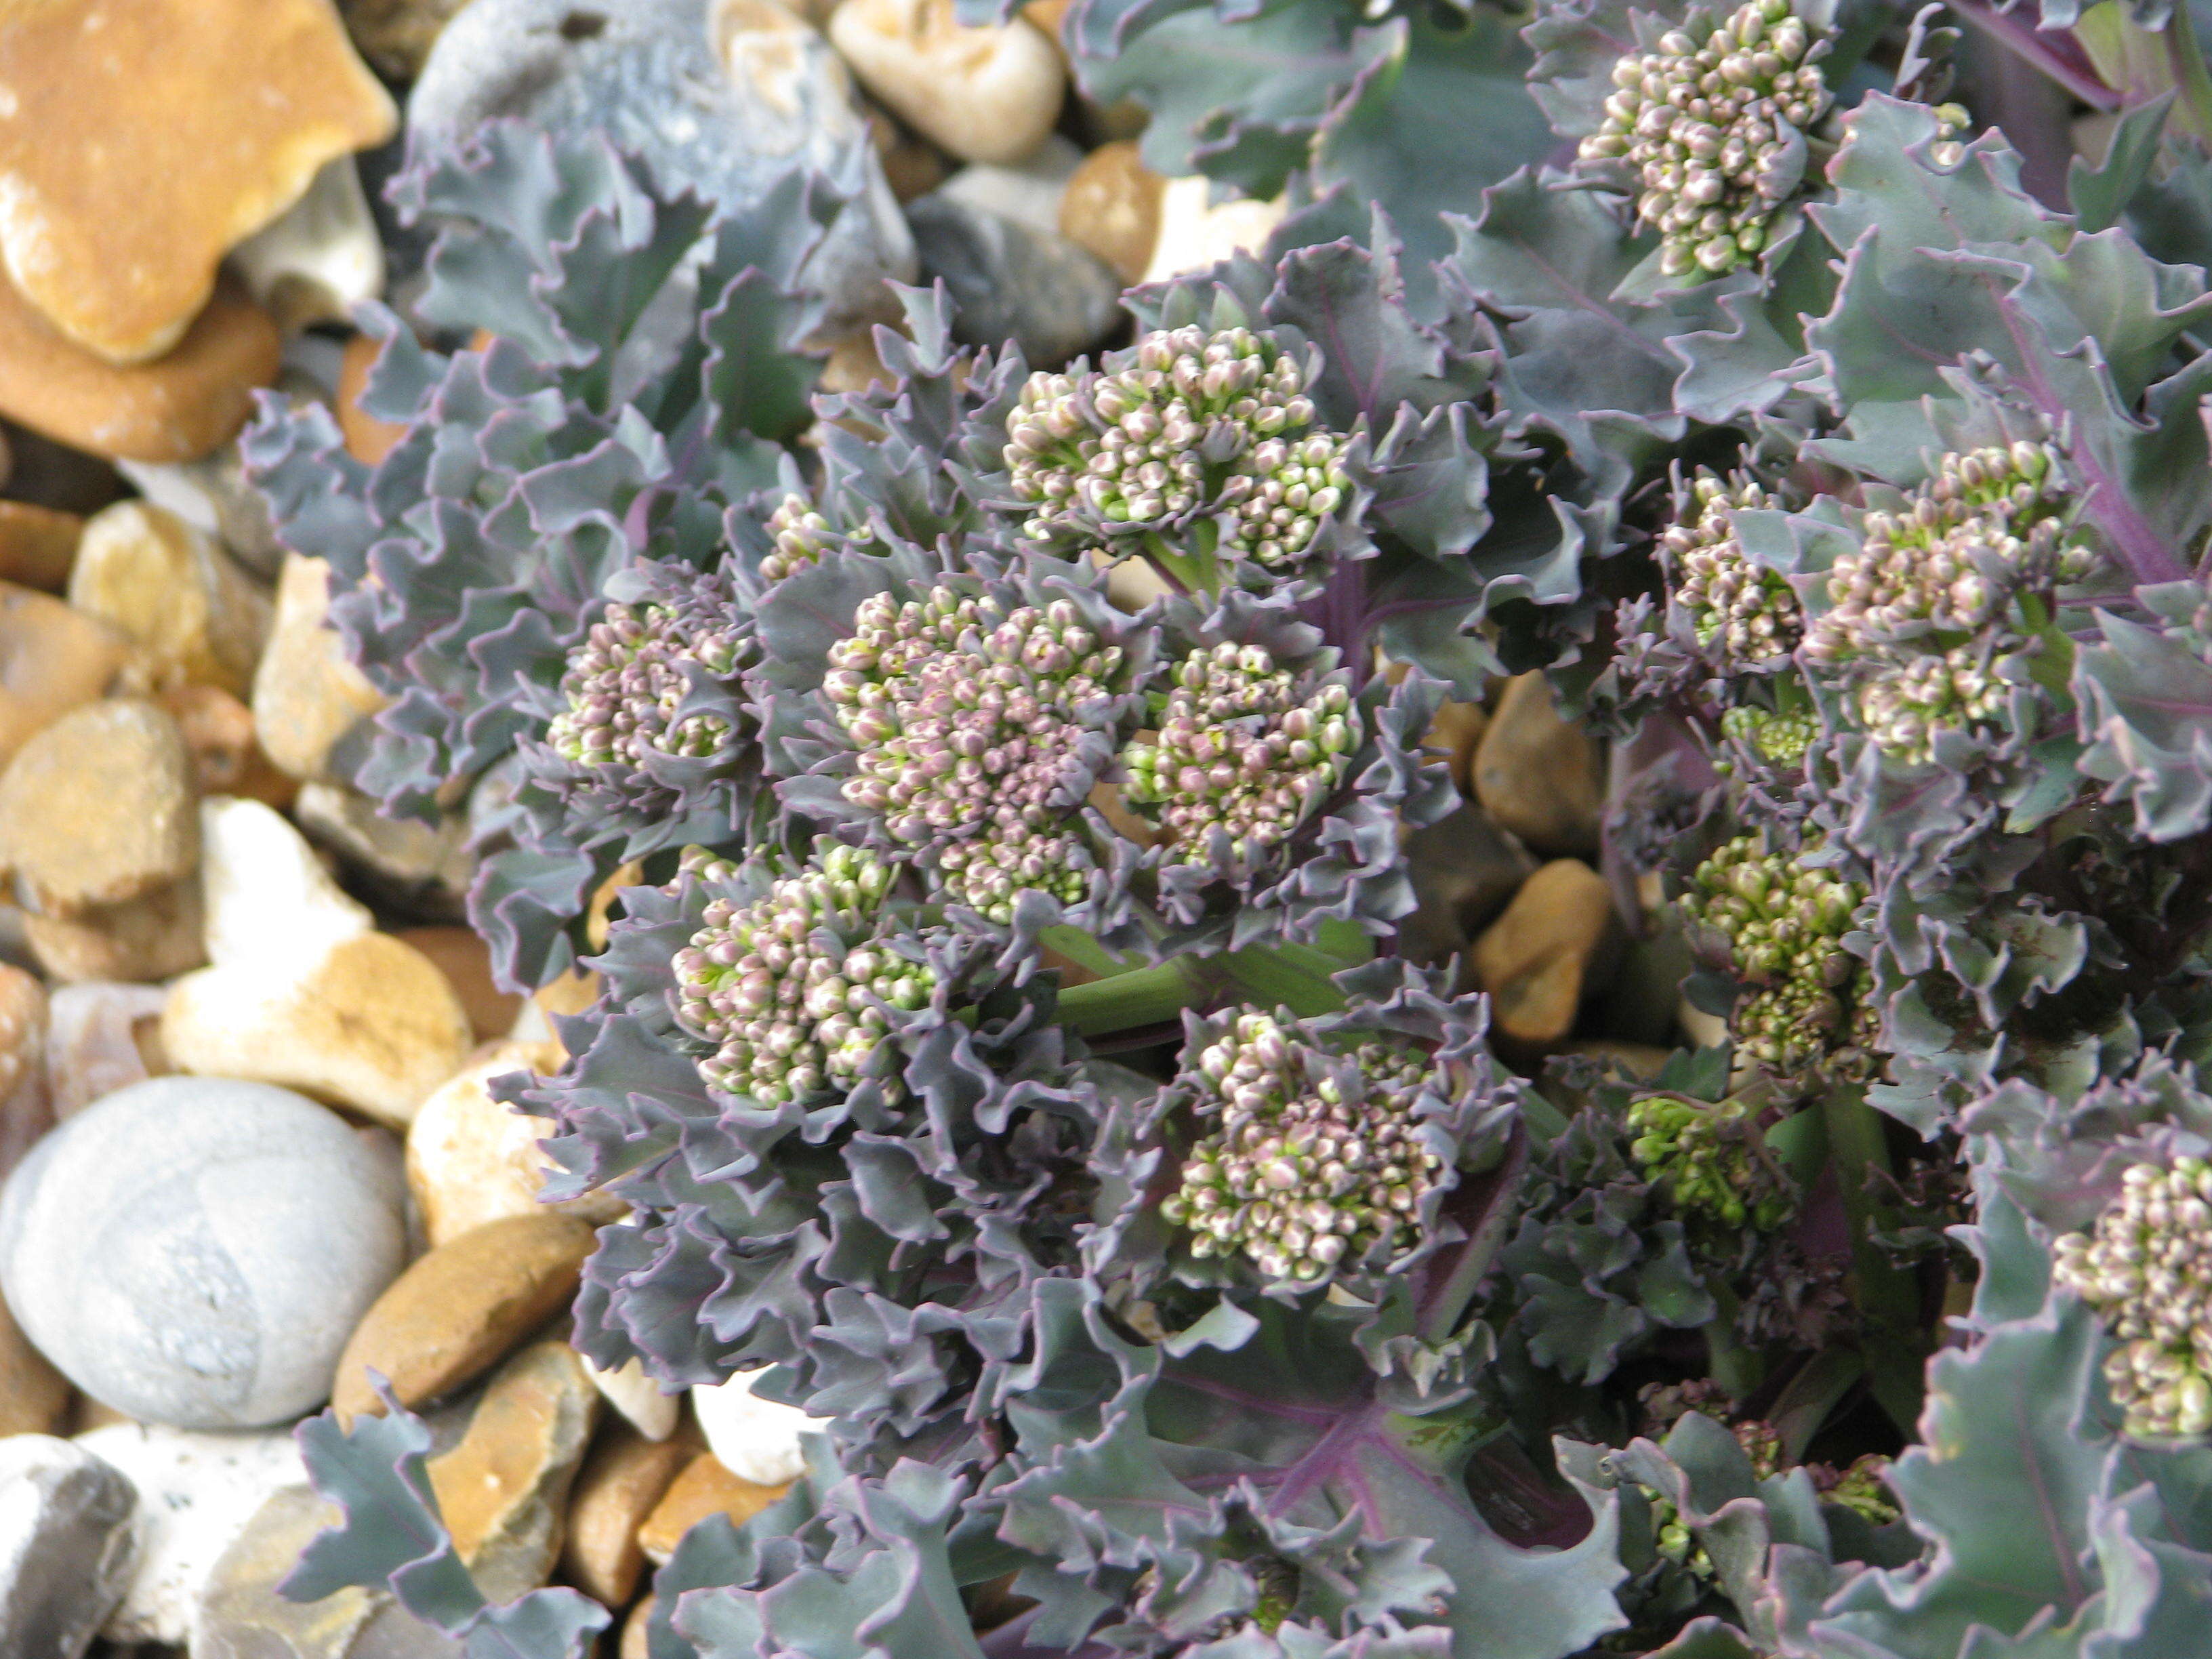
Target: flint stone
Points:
x,y
756,1439
101,1036
721,99
65,1546
196,1251
54,657
1010,282
986,93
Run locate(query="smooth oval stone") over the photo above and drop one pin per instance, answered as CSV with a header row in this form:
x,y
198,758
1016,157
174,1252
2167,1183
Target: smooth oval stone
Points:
x,y
196,1251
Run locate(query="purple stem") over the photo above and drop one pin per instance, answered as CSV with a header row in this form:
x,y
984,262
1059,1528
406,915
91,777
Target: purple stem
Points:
x,y
2055,52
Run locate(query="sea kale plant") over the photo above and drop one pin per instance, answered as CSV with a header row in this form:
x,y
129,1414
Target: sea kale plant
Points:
x,y
983,800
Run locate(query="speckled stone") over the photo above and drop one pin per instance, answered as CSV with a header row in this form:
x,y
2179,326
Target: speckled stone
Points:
x,y
197,1251
65,1546
722,99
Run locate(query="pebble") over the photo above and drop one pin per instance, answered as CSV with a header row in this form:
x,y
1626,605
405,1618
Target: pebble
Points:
x,y
1465,869
242,1615
461,1308
413,866
25,1104
724,111
912,166
218,732
1196,233
1030,193
196,1251
637,1632
471,1160
101,1036
757,1439
197,1493
78,238
397,35
213,494
306,695
157,937
503,1490
97,809
320,258
371,1025
1540,774
1542,956
638,1399
176,408
34,1397
1455,733
704,1488
368,440
986,93
48,474
465,961
196,618
268,895
1009,281
66,1545
37,545
1111,209
623,1482
52,659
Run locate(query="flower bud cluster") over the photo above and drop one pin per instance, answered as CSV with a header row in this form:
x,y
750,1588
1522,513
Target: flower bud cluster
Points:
x,y
1863,1488
1783,924
1240,750
1712,1157
1741,611
1195,424
1780,740
1704,123
1317,1154
626,681
967,717
2146,1267
792,989
802,537
1926,606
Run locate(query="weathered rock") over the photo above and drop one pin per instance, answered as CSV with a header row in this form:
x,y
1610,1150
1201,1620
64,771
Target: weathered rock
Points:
x,y
622,1483
52,659
721,99
101,1036
268,896
156,937
368,440
196,1251
65,1546
461,1308
37,545
1464,870
1196,233
397,35
638,1399
471,1160
320,258
1012,282
420,866
987,94
197,1493
34,1397
77,238
1111,209
756,1439
218,733
174,409
25,1105
1455,733
306,695
704,1488
97,809
1028,193
241,1615
371,1025
465,960
194,615
1539,774
503,1490
1539,958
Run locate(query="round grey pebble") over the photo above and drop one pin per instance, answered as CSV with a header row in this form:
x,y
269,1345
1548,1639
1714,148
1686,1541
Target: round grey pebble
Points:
x,y
196,1251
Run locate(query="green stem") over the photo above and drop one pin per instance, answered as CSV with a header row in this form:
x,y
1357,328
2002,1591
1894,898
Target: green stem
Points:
x,y
2139,63
1300,978
1888,1297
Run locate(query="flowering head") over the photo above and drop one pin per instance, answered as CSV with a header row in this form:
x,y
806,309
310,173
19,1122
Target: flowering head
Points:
x,y
627,683
2146,1266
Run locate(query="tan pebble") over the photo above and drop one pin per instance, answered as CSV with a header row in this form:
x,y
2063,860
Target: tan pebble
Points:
x,y
154,938
196,618
26,1102
37,545
1536,961
34,1397
704,1488
1112,208
1539,774
176,408
306,694
371,1025
624,1481
1455,733
471,1159
97,809
637,1632
462,1307
503,1490
1197,233
368,440
985,94
78,238
52,659
465,960
227,760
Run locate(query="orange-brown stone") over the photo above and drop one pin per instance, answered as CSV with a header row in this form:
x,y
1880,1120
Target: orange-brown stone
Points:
x,y
141,140
704,1488
37,545
368,440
